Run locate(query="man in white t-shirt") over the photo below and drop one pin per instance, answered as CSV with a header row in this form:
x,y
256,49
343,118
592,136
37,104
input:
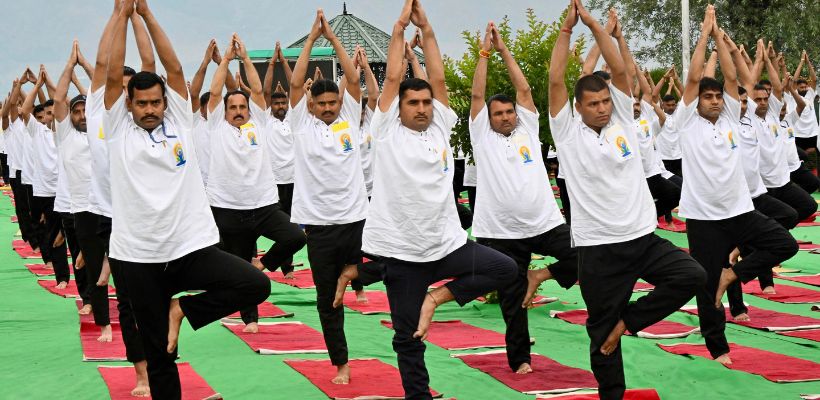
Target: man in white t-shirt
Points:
x,y
716,203
17,136
163,232
790,120
243,199
413,224
613,215
515,212
806,127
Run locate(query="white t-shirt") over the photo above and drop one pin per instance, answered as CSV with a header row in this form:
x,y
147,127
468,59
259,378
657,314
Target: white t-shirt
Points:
x,y
664,172
714,187
805,126
44,149
12,150
787,134
3,143
202,145
668,140
75,163
329,182
239,173
62,201
610,198
750,156
470,173
773,167
161,211
413,214
27,152
281,150
366,146
99,197
514,199
647,126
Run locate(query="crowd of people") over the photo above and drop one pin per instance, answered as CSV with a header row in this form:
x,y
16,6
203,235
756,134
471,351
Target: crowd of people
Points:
x,y
166,189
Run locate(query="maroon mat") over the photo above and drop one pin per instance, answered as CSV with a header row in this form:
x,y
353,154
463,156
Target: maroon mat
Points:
x,y
113,312
785,293
376,302
456,335
281,338
302,279
69,291
120,381
643,287
676,225
40,269
813,280
94,350
266,310
660,330
630,394
768,320
808,334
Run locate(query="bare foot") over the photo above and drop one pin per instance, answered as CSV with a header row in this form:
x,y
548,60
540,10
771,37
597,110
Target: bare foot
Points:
x,y
524,368
85,310
105,274
79,263
290,275
175,316
105,334
253,327
49,265
349,273
59,240
742,317
769,290
613,339
342,375
142,389
534,278
361,297
257,263
61,285
727,276
724,359
428,308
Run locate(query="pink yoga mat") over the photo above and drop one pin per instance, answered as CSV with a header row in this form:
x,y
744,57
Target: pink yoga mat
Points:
x,y
40,269
809,246
113,312
807,224
120,381
660,330
281,338
440,283
456,335
266,310
69,291
813,280
772,366
676,226
768,320
303,279
548,376
643,287
785,293
630,394
808,334
94,350
19,244
371,379
13,219
376,302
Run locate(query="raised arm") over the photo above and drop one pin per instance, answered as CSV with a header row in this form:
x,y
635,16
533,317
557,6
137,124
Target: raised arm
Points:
x,y
61,92
254,83
116,54
479,95
28,103
690,91
369,80
199,76
218,80
727,66
648,94
523,92
77,84
745,77
591,60
98,78
144,46
711,65
83,62
812,81
799,69
395,59
774,77
799,103
432,55
165,51
620,77
297,81
345,61
558,63
410,57
267,85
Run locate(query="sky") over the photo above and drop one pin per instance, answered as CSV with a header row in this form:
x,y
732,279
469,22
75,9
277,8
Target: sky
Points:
x,y
41,31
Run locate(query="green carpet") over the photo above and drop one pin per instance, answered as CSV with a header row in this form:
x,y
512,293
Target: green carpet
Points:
x,y
41,355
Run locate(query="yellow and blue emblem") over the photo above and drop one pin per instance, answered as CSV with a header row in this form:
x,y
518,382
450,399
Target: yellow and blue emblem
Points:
x,y
623,147
179,155
524,151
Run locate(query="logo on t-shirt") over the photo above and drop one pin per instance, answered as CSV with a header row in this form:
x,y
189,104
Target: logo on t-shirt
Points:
x,y
623,146
444,163
525,154
731,140
101,135
774,130
347,145
645,127
790,131
179,155
369,138
252,138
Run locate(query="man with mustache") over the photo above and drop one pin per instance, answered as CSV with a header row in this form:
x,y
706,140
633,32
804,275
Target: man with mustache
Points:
x,y
244,203
806,128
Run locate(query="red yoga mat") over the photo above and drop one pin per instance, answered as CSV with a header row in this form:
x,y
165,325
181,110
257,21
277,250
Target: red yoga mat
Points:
x,y
302,279
69,291
13,219
281,338
19,244
676,225
768,320
440,283
40,269
808,224
539,300
27,253
808,334
772,366
813,280
660,330
94,350
785,293
113,312
630,394
643,287
120,381
376,302
456,335
548,376
809,246
266,310
371,379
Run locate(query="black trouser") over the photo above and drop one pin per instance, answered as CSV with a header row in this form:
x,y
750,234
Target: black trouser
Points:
x,y
477,270
711,242
93,247
286,201
806,143
565,204
784,215
674,166
557,242
70,236
665,193
23,211
607,275
331,248
33,222
229,284
49,229
239,230
805,179
4,158
465,215
797,198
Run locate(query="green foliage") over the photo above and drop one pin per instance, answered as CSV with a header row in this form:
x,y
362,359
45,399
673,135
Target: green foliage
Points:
x,y
532,48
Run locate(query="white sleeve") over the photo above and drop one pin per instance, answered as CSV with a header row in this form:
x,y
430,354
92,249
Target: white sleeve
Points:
x,y
298,115
179,109
114,118
684,113
382,124
479,126
731,108
561,124
775,106
215,117
351,111
621,104
63,129
529,121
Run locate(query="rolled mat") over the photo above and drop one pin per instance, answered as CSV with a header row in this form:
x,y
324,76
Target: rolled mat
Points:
x,y
772,366
281,338
40,269
113,312
767,319
456,335
371,379
266,310
659,330
809,246
782,270
120,381
808,224
94,350
808,334
813,280
539,300
376,302
630,394
302,279
676,225
548,376
643,287
785,293
69,291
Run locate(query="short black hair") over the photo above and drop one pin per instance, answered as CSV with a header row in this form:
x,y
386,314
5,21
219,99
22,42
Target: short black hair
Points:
x,y
38,109
501,98
589,83
765,82
235,92
603,75
48,103
741,90
128,71
323,86
144,80
414,84
204,99
709,84
669,97
800,81
278,95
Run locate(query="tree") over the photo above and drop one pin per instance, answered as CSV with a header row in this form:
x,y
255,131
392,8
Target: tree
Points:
x,y
531,48
792,25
